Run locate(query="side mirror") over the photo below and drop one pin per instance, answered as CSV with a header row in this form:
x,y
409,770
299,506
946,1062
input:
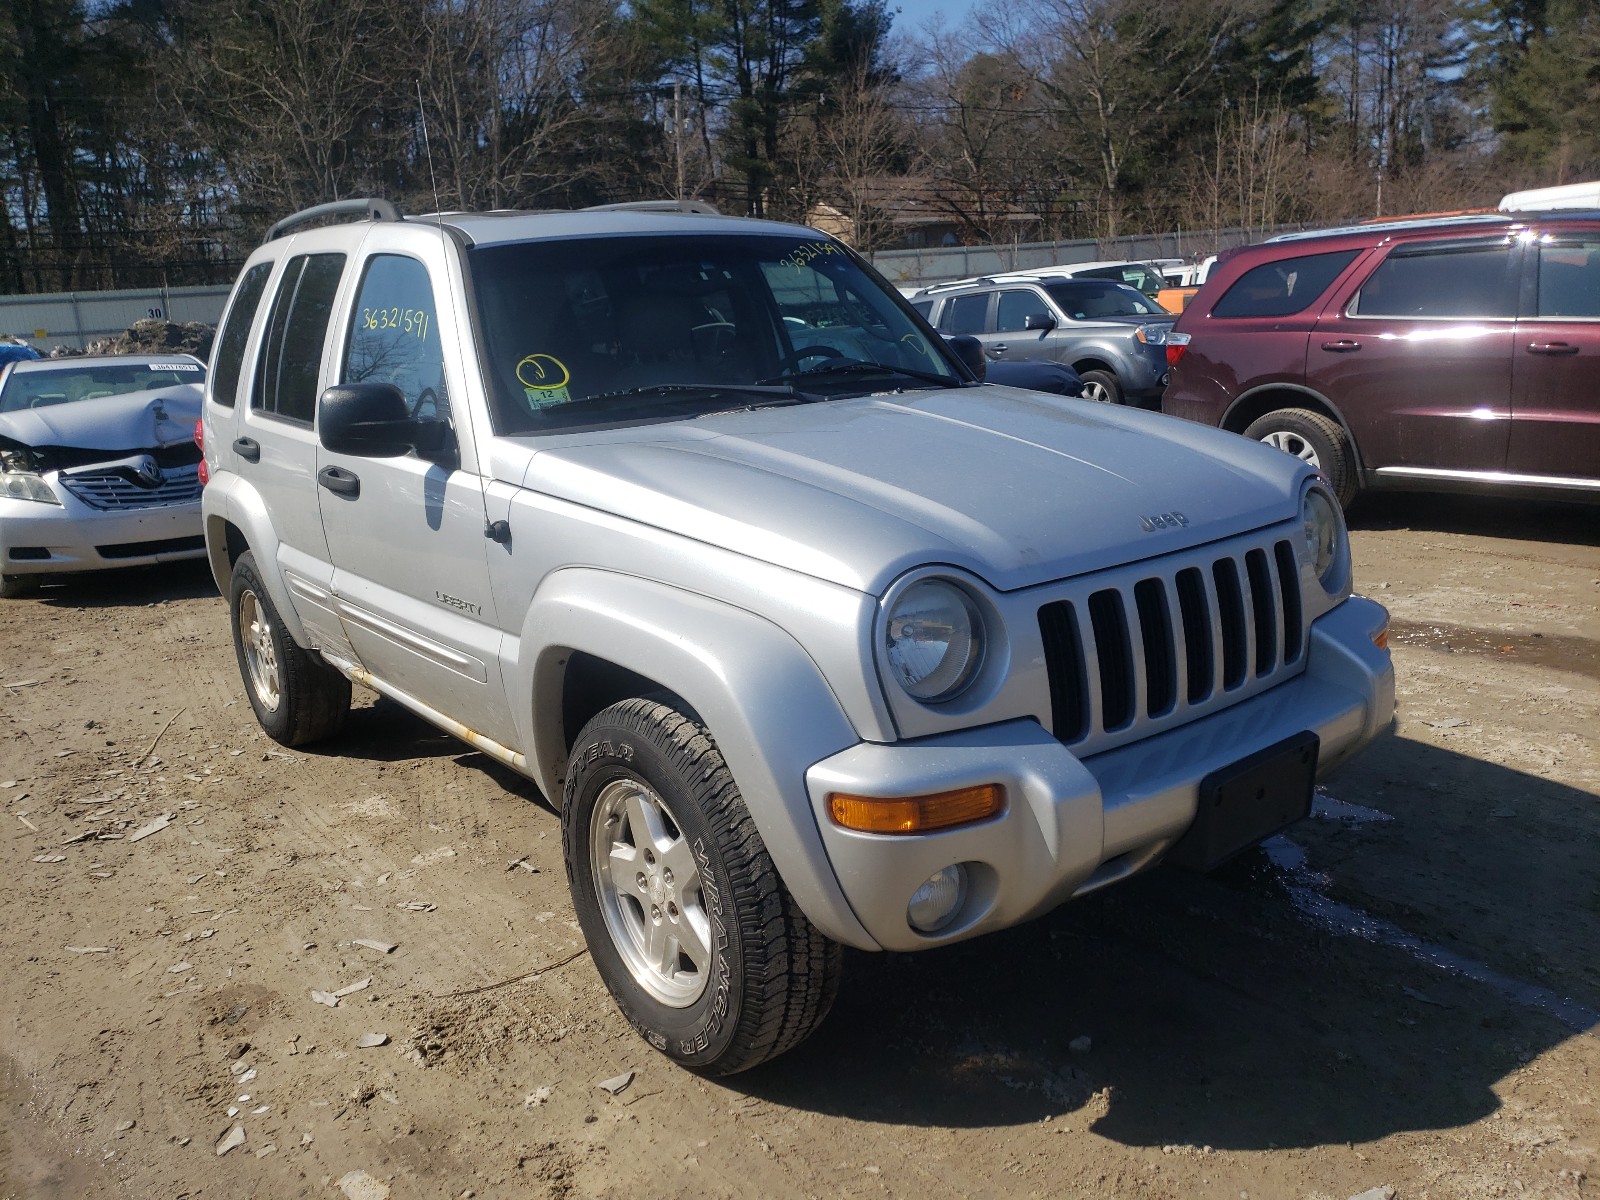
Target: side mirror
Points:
x,y
370,420
970,351
1038,320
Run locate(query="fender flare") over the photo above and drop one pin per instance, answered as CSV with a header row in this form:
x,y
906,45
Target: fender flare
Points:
x,y
233,502
743,676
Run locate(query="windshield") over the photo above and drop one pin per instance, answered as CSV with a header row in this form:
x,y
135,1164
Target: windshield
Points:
x,y
1135,275
1085,299
71,382
588,330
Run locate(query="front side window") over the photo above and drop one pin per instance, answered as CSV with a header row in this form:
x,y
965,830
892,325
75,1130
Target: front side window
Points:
x,y
236,332
1569,277
591,331
1433,281
394,335
1284,287
291,356
1016,307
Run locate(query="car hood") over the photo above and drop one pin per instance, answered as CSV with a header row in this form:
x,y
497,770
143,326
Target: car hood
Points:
x,y
131,421
1017,488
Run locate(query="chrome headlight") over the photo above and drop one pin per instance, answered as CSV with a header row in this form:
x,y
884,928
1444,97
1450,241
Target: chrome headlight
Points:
x,y
934,640
1321,527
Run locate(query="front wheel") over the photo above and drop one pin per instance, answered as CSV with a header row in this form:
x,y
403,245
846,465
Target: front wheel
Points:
x,y
1314,439
1101,386
297,697
691,928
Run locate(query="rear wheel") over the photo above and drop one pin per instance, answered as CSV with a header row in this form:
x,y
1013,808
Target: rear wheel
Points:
x,y
691,928
1101,386
14,587
1315,439
297,697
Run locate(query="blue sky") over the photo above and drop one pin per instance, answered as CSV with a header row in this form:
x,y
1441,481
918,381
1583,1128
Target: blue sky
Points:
x,y
913,14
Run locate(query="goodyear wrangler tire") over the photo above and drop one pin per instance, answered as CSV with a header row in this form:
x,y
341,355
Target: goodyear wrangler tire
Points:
x,y
700,944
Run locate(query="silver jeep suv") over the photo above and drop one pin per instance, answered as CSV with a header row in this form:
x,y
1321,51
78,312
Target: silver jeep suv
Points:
x,y
816,640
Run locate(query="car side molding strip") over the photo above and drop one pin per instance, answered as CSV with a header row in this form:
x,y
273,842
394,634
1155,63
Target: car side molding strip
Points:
x,y
1491,477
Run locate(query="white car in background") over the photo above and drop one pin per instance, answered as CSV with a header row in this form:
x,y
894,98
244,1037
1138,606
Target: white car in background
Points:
x,y
98,465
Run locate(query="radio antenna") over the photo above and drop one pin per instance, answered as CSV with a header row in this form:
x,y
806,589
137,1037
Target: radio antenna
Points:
x,y
495,531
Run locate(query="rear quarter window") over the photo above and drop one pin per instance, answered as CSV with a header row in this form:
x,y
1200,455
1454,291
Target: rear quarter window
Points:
x,y
236,332
1283,287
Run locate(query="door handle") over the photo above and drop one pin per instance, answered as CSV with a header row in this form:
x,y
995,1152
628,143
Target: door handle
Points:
x,y
996,348
247,448
1551,348
340,482
1342,346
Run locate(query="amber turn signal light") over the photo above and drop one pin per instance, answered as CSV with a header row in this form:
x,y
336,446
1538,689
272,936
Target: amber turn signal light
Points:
x,y
917,814
1380,639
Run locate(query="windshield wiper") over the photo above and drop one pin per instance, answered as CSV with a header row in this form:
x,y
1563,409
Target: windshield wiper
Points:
x,y
772,392
860,366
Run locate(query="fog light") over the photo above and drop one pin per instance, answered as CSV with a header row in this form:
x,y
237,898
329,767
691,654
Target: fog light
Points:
x,y
936,902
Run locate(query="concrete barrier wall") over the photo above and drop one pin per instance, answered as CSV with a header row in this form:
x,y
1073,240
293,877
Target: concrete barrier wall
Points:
x,y
74,319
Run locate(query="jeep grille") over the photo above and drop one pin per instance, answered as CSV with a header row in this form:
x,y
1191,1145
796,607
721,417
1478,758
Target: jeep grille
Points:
x,y
1138,650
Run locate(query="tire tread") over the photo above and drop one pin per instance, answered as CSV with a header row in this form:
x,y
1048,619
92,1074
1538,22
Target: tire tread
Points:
x,y
792,970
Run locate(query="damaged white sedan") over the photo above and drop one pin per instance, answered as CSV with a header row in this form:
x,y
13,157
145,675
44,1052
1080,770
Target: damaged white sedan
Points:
x,y
98,465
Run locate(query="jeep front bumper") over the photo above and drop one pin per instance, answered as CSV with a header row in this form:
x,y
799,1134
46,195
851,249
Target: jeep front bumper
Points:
x,y
1074,825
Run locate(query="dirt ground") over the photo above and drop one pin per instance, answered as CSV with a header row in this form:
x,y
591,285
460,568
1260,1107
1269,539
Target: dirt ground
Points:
x,y
1401,993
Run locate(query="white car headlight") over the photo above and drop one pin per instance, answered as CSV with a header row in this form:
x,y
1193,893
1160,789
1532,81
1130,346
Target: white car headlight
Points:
x,y
1319,520
25,485
934,640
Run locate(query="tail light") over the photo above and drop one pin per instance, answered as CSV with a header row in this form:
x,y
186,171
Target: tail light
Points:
x,y
200,441
1177,343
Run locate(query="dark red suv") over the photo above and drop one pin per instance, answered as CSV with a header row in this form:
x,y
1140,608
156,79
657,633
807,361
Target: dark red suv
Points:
x,y
1459,352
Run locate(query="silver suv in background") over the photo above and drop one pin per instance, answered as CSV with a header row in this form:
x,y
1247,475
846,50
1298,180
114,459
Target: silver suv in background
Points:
x,y
1111,334
814,639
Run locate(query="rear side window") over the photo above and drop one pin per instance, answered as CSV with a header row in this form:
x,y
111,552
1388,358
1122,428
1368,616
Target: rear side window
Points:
x,y
236,332
965,314
1284,287
286,385
1569,278
924,308
1441,281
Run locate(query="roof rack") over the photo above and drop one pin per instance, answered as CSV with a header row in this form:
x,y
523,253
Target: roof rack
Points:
x,y
1000,277
1399,223
697,207
371,208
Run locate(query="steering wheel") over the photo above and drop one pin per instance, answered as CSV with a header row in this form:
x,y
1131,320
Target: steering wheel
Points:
x,y
425,398
793,361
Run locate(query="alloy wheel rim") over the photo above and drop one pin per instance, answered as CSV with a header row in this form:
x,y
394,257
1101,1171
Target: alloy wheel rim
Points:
x,y
1293,443
260,656
649,887
1098,392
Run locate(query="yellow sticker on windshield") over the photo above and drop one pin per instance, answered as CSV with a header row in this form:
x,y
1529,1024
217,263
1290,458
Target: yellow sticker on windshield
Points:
x,y
544,380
